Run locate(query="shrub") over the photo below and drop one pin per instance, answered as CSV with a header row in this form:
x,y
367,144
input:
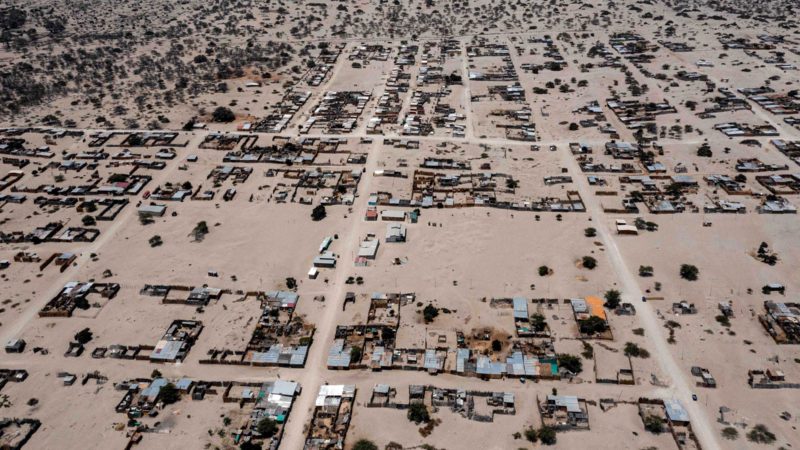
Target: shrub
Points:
x,y
169,394
84,336
588,350
633,350
544,271
418,413
730,433
570,362
547,435
155,241
355,354
593,325
364,444
267,427
654,424
689,272
613,298
531,436
88,221
497,345
760,434
89,206
223,114
538,322
705,151
588,262
590,232
318,213
429,313
645,271
200,230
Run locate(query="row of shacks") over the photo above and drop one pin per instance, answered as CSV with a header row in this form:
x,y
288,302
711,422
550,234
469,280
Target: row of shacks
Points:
x,y
270,400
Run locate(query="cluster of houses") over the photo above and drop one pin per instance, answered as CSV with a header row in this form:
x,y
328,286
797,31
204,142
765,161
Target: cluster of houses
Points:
x,y
387,110
564,412
633,47
789,148
117,184
674,416
777,104
77,295
281,114
590,315
518,125
270,400
770,378
337,112
434,87
782,321
505,71
280,339
372,345
466,403
323,64
735,129
303,151
321,186
333,410
176,342
636,114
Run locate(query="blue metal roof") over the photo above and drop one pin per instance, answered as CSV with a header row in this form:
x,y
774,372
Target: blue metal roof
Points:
x,y
520,307
675,411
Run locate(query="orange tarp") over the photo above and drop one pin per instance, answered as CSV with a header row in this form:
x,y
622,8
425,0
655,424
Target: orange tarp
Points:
x,y
596,307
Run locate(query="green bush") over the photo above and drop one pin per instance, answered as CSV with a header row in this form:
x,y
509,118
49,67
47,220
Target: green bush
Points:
x,y
613,298
318,213
654,424
570,362
760,434
418,413
429,313
169,394
689,272
267,427
364,444
547,435
531,436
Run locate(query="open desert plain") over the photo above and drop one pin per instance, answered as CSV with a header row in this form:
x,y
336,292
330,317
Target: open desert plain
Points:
x,y
399,224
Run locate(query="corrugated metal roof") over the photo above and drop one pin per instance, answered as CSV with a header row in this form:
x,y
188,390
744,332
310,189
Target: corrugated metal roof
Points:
x,y
432,361
579,305
675,411
282,387
166,350
570,402
520,307
299,355
485,366
462,355
151,391
337,357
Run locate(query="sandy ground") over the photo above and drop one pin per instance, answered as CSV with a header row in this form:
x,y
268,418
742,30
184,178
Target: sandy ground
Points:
x,y
454,258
